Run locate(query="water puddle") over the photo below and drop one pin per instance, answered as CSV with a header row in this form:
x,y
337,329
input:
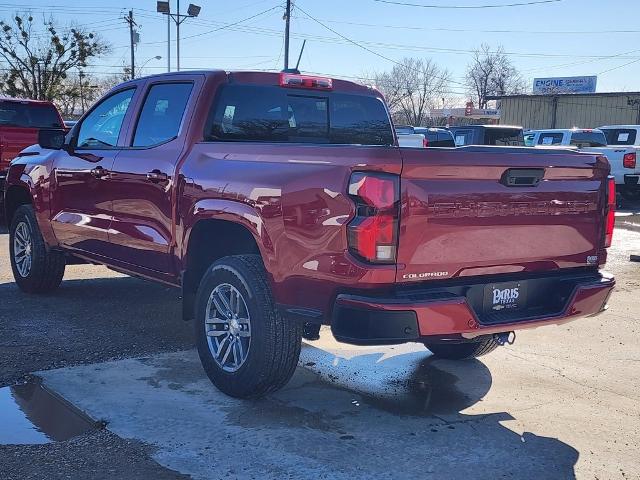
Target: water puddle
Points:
x,y
31,414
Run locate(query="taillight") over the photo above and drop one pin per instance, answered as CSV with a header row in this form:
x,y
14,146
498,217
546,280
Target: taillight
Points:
x,y
295,80
425,142
373,234
611,212
629,160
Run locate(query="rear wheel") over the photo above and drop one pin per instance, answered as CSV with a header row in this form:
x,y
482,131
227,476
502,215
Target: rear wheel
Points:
x,y
35,269
463,351
246,348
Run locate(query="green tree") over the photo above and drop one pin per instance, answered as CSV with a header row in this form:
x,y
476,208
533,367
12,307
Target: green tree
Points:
x,y
35,62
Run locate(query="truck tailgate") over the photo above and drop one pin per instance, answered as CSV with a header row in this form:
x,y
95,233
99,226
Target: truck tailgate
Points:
x,y
484,210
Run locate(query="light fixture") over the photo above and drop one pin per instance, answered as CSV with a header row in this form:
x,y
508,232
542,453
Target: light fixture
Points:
x,y
193,10
163,7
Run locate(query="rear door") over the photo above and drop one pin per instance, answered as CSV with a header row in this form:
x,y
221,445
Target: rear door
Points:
x,y
143,180
477,211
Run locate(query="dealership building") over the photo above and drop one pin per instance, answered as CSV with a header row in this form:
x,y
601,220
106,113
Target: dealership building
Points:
x,y
567,102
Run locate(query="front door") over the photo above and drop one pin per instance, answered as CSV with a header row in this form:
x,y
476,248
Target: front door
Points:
x,y
143,179
81,202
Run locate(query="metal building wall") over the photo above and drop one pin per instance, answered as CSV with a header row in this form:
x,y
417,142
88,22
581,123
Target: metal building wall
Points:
x,y
586,111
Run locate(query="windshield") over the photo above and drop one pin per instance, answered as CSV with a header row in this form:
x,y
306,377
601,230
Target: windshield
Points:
x,y
29,115
620,136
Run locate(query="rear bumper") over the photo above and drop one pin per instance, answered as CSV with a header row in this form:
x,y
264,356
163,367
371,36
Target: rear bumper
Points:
x,y
451,312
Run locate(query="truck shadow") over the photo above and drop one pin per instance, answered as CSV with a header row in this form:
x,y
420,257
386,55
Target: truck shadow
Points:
x,y
420,403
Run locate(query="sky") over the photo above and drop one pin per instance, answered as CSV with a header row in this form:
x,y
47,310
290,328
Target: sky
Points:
x,y
348,38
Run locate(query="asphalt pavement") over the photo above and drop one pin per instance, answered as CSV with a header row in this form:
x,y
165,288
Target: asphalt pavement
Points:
x,y
562,402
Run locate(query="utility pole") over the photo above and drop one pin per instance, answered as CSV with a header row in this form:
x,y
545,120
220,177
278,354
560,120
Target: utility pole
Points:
x,y
178,36
132,38
287,17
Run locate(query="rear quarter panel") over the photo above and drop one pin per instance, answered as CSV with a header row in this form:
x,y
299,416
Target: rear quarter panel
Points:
x,y
292,198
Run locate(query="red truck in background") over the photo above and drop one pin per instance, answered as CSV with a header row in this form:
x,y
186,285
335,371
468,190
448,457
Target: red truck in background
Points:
x,y
20,122
280,202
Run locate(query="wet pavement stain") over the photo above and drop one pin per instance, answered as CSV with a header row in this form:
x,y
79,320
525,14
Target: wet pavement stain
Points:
x,y
31,414
432,389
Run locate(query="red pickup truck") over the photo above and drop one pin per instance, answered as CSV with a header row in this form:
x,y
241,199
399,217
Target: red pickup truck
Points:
x,y
20,122
280,202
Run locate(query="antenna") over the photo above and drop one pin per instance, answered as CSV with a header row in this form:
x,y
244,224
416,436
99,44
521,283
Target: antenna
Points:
x,y
300,56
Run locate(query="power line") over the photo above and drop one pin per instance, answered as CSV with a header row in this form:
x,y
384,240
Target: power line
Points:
x,y
468,7
619,66
473,30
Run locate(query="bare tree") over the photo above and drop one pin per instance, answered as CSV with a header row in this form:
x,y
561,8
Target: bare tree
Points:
x,y
38,62
491,73
81,90
412,88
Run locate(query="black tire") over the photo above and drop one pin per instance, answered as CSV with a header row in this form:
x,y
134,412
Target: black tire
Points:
x,y
463,351
47,266
272,356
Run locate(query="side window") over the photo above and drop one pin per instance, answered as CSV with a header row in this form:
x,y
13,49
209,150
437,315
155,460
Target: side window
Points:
x,y
161,114
101,128
550,139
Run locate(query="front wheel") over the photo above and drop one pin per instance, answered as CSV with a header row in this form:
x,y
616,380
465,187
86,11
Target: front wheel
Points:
x,y
35,268
246,348
463,351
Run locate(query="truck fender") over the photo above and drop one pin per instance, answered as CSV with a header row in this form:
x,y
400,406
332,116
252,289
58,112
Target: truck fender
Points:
x,y
231,211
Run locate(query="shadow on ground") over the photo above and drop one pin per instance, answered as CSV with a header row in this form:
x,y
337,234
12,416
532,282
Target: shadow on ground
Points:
x,y
87,321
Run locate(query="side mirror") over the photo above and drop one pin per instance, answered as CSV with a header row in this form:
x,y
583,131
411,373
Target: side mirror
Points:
x,y
52,138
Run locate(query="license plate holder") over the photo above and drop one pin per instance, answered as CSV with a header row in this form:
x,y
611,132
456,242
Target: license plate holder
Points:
x,y
505,297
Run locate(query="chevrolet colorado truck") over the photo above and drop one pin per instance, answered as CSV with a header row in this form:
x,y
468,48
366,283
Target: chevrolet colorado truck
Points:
x,y
281,202
20,122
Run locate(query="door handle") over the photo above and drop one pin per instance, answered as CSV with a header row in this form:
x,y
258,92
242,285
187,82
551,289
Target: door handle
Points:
x,y
157,176
99,172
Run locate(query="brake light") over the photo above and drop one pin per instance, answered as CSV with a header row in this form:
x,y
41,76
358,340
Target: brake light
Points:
x,y
610,212
425,142
629,160
373,234
295,80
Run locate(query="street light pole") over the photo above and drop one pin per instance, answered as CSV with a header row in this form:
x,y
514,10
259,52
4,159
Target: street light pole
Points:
x,y
163,6
168,43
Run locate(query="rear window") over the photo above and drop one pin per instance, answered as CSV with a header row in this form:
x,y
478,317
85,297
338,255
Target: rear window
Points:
x,y
504,137
30,115
273,114
620,136
588,139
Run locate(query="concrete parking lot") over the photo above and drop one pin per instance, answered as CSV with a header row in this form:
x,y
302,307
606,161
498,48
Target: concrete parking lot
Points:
x,y
562,402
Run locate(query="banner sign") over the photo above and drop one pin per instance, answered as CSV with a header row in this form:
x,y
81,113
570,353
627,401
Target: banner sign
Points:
x,y
564,85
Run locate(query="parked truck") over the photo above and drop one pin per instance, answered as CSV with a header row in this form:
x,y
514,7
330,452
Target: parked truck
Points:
x,y
622,158
20,122
280,202
626,136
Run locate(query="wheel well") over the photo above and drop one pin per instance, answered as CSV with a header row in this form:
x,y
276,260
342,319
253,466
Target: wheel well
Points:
x,y
14,197
209,241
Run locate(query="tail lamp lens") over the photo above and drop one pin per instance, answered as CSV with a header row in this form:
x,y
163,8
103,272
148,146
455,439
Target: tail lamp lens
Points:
x,y
629,160
373,233
611,212
425,142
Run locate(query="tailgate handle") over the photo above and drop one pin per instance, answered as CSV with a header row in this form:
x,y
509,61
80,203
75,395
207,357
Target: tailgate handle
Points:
x,y
522,177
